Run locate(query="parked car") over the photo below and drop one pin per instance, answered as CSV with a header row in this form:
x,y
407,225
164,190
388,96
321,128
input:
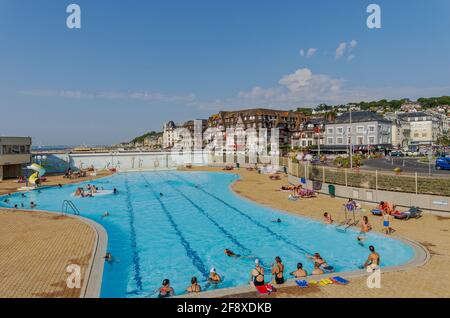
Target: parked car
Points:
x,y
443,163
397,153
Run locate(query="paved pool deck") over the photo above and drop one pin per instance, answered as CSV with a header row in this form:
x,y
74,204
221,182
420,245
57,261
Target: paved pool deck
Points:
x,y
36,247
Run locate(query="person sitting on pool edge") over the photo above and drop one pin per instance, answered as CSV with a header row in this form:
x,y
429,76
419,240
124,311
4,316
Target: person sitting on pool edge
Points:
x,y
257,274
214,278
300,272
277,271
195,286
165,290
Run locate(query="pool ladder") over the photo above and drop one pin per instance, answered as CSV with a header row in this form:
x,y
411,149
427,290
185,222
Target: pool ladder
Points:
x,y
69,204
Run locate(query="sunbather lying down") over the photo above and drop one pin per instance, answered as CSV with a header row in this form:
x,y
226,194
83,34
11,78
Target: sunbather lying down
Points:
x,y
275,177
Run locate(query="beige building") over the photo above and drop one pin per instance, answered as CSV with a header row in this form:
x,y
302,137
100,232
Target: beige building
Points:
x,y
14,153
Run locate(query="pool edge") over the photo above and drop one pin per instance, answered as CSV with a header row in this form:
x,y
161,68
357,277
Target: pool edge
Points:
x,y
421,257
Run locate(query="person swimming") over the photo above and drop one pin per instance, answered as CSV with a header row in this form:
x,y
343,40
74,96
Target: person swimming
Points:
x,y
231,253
32,204
160,194
317,270
194,287
214,278
317,259
115,191
165,290
59,185
105,214
327,218
300,272
108,257
277,220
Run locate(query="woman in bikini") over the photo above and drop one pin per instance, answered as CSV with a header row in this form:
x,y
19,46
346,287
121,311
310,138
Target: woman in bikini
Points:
x,y
277,271
257,274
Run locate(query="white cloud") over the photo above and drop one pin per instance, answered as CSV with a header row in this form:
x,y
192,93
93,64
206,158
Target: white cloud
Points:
x,y
350,57
111,95
340,50
308,53
311,52
353,44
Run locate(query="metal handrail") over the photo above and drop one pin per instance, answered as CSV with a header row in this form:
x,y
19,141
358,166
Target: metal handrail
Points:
x,y
66,204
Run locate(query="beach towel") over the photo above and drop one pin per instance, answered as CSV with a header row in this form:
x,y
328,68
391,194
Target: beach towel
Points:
x,y
339,280
376,212
265,289
302,283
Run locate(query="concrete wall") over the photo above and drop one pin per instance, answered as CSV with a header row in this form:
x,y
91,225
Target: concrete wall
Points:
x,y
424,201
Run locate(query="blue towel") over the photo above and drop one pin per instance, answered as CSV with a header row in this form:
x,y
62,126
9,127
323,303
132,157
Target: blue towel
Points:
x,y
302,283
303,180
340,280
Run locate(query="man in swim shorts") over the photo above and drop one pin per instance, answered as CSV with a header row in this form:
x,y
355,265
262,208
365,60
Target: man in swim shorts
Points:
x,y
373,261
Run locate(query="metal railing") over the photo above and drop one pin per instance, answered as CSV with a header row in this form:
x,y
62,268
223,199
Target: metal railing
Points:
x,y
69,204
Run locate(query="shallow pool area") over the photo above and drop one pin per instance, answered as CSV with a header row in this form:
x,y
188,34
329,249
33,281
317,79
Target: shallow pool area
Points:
x,y
176,225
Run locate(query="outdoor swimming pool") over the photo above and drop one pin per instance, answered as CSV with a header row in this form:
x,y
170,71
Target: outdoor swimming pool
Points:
x,y
184,232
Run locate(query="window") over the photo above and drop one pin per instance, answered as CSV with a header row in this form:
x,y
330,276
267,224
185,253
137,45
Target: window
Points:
x,y
360,140
329,140
330,130
339,130
371,129
424,134
360,129
371,140
340,141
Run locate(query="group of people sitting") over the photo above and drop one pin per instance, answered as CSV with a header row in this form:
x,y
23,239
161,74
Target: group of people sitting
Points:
x,y
70,174
297,192
257,274
89,192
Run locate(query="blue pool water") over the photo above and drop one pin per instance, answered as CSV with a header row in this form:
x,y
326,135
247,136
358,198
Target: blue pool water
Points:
x,y
184,232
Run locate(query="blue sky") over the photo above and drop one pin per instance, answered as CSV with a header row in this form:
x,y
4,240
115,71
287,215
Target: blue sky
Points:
x,y
136,64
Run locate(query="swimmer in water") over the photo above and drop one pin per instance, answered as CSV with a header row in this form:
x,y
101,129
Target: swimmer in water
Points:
x,y
105,214
32,204
160,194
277,220
231,253
115,191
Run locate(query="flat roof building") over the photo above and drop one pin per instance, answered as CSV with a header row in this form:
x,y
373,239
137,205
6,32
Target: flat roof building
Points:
x,y
15,152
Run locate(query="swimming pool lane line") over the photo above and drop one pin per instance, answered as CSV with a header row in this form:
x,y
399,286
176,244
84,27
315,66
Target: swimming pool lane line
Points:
x,y
192,254
202,211
136,258
278,236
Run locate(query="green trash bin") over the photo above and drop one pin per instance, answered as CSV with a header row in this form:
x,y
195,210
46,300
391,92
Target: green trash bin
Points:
x,y
332,190
237,165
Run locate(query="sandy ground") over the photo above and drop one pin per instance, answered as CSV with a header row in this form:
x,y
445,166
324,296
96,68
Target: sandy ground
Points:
x,y
432,231
37,247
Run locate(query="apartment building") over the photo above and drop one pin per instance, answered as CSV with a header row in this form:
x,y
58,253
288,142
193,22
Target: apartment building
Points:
x,y
309,134
15,153
286,121
420,129
364,130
